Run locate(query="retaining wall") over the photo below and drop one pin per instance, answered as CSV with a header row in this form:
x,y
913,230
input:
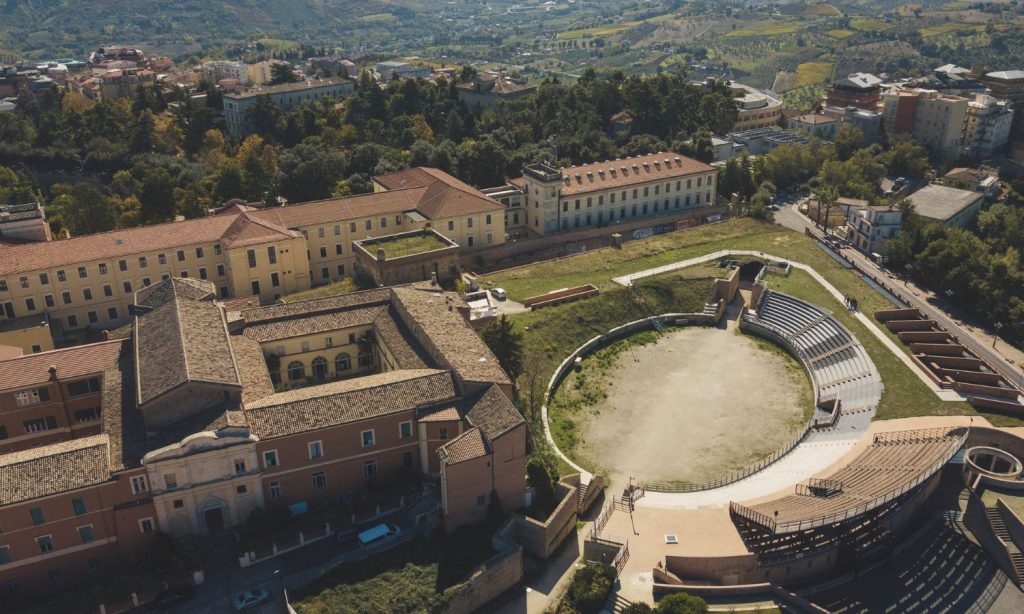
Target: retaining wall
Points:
x,y
943,349
540,539
496,575
910,313
911,325
955,362
926,336
995,391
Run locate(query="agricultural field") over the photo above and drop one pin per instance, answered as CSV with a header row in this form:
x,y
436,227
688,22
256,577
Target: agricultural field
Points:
x,y
947,28
870,25
839,34
810,73
766,28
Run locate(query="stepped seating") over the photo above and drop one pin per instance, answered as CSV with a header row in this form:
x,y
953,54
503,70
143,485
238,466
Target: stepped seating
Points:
x,y
887,467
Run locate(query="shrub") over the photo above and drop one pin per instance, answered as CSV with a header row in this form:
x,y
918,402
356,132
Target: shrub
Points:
x,y
682,603
588,590
543,485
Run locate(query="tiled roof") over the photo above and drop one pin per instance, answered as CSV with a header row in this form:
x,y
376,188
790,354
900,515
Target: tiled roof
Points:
x,y
444,414
179,341
342,209
394,335
249,230
184,287
283,88
252,369
122,420
467,446
494,414
455,340
379,296
335,403
641,169
811,118
52,469
73,362
444,196
299,326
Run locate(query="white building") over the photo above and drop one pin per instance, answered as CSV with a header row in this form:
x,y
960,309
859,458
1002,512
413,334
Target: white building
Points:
x,y
986,126
387,71
285,96
219,70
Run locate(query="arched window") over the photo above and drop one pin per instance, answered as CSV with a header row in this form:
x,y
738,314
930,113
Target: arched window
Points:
x,y
320,368
296,371
342,362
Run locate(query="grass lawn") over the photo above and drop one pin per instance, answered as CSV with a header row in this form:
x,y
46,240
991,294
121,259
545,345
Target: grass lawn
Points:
x,y
409,578
840,34
555,332
406,245
813,72
870,25
339,287
378,18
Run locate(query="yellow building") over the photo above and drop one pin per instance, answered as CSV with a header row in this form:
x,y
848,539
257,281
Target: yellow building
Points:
x,y
90,281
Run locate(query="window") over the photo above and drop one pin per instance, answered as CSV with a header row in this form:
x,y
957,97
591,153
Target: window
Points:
x,y
30,304
45,543
272,254
142,262
369,224
181,255
112,313
487,220
170,481
93,318
48,300
146,525
86,533
3,432
323,252
319,480
84,386
223,291
270,459
370,468
351,226
61,276
451,225
383,222
82,273
44,279
199,252
275,279
255,286
87,294
72,321
365,359
469,240
275,491
66,297
36,513
5,555
179,504
337,230
469,222
443,434
216,249
241,489
305,346
202,272
145,282
161,258
342,362
337,249
183,274
325,273
296,371
78,505
122,265
139,484
316,449
480,500
239,466
367,437
251,254
320,232
220,270
328,342
108,290
87,415
405,429
32,396
127,286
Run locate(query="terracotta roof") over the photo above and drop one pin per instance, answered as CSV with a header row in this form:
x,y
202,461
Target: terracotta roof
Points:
x,y
467,446
248,230
342,209
396,337
811,118
52,469
302,325
455,340
73,362
445,196
252,369
282,88
341,402
494,414
444,414
311,306
187,288
179,341
641,169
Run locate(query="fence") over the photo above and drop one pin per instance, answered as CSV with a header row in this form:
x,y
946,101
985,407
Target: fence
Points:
x,y
602,520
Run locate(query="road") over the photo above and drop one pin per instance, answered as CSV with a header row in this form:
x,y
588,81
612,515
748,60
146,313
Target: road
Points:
x,y
789,217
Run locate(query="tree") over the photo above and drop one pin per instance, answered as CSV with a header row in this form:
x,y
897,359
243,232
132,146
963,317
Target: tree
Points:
x,y
848,140
282,72
88,211
157,196
682,603
543,484
906,159
637,608
264,116
507,345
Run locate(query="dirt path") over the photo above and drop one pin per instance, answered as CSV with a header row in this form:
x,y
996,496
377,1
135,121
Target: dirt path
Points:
x,y
696,405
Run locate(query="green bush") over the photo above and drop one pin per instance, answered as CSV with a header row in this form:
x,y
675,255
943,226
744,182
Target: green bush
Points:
x,y
588,590
682,603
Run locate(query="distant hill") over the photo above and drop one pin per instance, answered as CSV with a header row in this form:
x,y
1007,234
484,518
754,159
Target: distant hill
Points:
x,y
51,28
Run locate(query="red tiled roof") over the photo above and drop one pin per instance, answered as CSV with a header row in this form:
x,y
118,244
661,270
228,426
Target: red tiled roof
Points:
x,y
445,196
73,362
249,230
641,169
466,446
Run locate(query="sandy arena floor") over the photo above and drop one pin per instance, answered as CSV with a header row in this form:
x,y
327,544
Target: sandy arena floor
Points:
x,y
698,404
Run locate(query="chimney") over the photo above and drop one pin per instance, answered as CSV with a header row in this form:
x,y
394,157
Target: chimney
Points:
x,y
433,278
105,335
380,254
53,373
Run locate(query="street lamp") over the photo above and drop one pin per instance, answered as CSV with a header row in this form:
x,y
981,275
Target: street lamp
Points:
x,y
998,326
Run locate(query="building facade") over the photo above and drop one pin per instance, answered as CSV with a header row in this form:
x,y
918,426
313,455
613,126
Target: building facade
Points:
x,y
593,195
207,414
823,126
90,281
757,108
860,90
935,120
868,122
868,228
987,127
284,96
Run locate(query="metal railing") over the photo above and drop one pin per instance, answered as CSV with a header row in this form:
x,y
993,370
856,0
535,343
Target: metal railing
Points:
x,y
602,520
816,487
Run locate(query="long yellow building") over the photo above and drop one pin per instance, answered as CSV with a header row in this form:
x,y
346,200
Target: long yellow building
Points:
x,y
90,281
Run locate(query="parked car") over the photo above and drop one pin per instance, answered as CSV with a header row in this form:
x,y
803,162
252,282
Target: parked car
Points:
x,y
499,293
250,599
378,534
174,596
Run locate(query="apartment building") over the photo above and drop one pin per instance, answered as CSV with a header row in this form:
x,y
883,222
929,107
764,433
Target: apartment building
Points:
x,y
868,122
593,195
389,70
823,126
935,120
987,127
860,90
218,70
90,281
1007,85
869,227
284,95
757,108
194,434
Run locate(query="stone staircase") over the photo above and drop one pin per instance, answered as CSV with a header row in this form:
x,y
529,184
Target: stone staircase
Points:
x,y
995,518
645,307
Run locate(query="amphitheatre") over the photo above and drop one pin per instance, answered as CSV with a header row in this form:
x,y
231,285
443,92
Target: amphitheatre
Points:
x,y
807,485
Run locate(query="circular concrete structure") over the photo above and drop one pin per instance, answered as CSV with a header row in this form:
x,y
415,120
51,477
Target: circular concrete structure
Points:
x,y
990,462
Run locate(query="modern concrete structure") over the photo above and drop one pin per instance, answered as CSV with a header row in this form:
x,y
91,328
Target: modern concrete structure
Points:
x,y
26,222
757,108
1005,85
986,127
949,206
861,90
868,122
935,120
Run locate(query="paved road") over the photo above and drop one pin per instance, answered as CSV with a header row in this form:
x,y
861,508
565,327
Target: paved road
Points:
x,y
789,217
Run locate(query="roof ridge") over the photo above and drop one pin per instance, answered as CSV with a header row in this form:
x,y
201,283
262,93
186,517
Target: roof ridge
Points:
x,y
427,372
66,349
